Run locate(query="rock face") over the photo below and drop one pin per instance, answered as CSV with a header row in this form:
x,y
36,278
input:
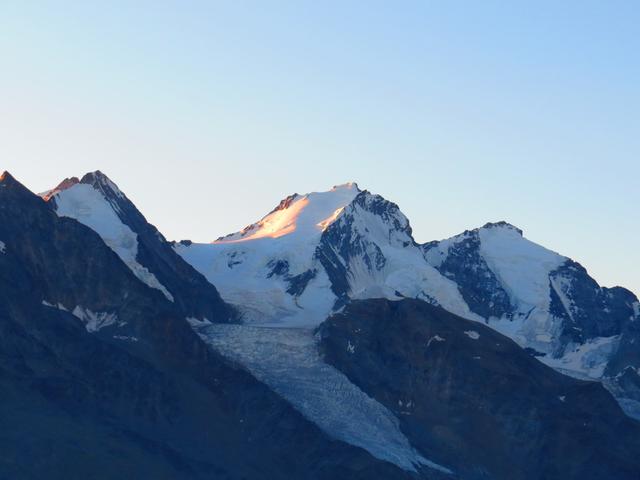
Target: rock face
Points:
x,y
475,400
102,376
98,203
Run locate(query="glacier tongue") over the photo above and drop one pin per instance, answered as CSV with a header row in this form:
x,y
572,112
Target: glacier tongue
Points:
x,y
287,360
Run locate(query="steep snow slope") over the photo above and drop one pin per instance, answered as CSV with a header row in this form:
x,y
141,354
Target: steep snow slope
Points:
x,y
98,203
90,207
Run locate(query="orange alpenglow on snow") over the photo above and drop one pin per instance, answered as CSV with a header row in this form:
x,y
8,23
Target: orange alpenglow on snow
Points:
x,y
274,225
302,216
324,224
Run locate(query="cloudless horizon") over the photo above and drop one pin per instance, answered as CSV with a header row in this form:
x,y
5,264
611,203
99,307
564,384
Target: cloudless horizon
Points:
x,y
462,113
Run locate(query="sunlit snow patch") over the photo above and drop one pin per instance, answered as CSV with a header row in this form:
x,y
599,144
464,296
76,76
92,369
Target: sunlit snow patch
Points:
x,y
287,361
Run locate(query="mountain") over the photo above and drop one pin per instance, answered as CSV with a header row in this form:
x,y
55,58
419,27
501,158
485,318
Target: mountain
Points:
x,y
475,399
314,253
103,377
98,203
547,303
337,347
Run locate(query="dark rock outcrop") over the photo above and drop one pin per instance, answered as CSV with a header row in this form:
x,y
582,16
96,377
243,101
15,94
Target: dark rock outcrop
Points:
x,y
470,398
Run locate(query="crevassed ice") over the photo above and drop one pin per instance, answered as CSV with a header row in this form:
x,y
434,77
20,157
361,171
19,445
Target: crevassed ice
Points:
x,y
286,359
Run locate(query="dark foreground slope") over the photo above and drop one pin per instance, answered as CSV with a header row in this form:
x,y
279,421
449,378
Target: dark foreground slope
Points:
x,y
476,401
140,396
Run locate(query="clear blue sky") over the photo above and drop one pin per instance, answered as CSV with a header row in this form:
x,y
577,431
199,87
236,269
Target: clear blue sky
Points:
x,y
208,113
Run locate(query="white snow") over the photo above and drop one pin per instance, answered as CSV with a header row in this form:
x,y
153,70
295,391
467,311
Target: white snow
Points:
x,y
306,217
521,266
405,271
351,348
472,334
3,247
126,338
586,361
87,205
196,322
287,361
59,306
435,338
94,321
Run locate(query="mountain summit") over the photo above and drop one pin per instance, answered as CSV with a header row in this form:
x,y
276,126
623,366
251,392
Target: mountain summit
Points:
x,y
98,203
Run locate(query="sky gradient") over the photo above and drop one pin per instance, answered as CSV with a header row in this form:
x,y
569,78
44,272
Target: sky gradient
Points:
x,y
207,113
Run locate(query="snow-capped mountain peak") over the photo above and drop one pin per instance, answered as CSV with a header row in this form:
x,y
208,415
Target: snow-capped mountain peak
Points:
x,y
102,183
301,217
98,203
91,202
312,252
63,185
